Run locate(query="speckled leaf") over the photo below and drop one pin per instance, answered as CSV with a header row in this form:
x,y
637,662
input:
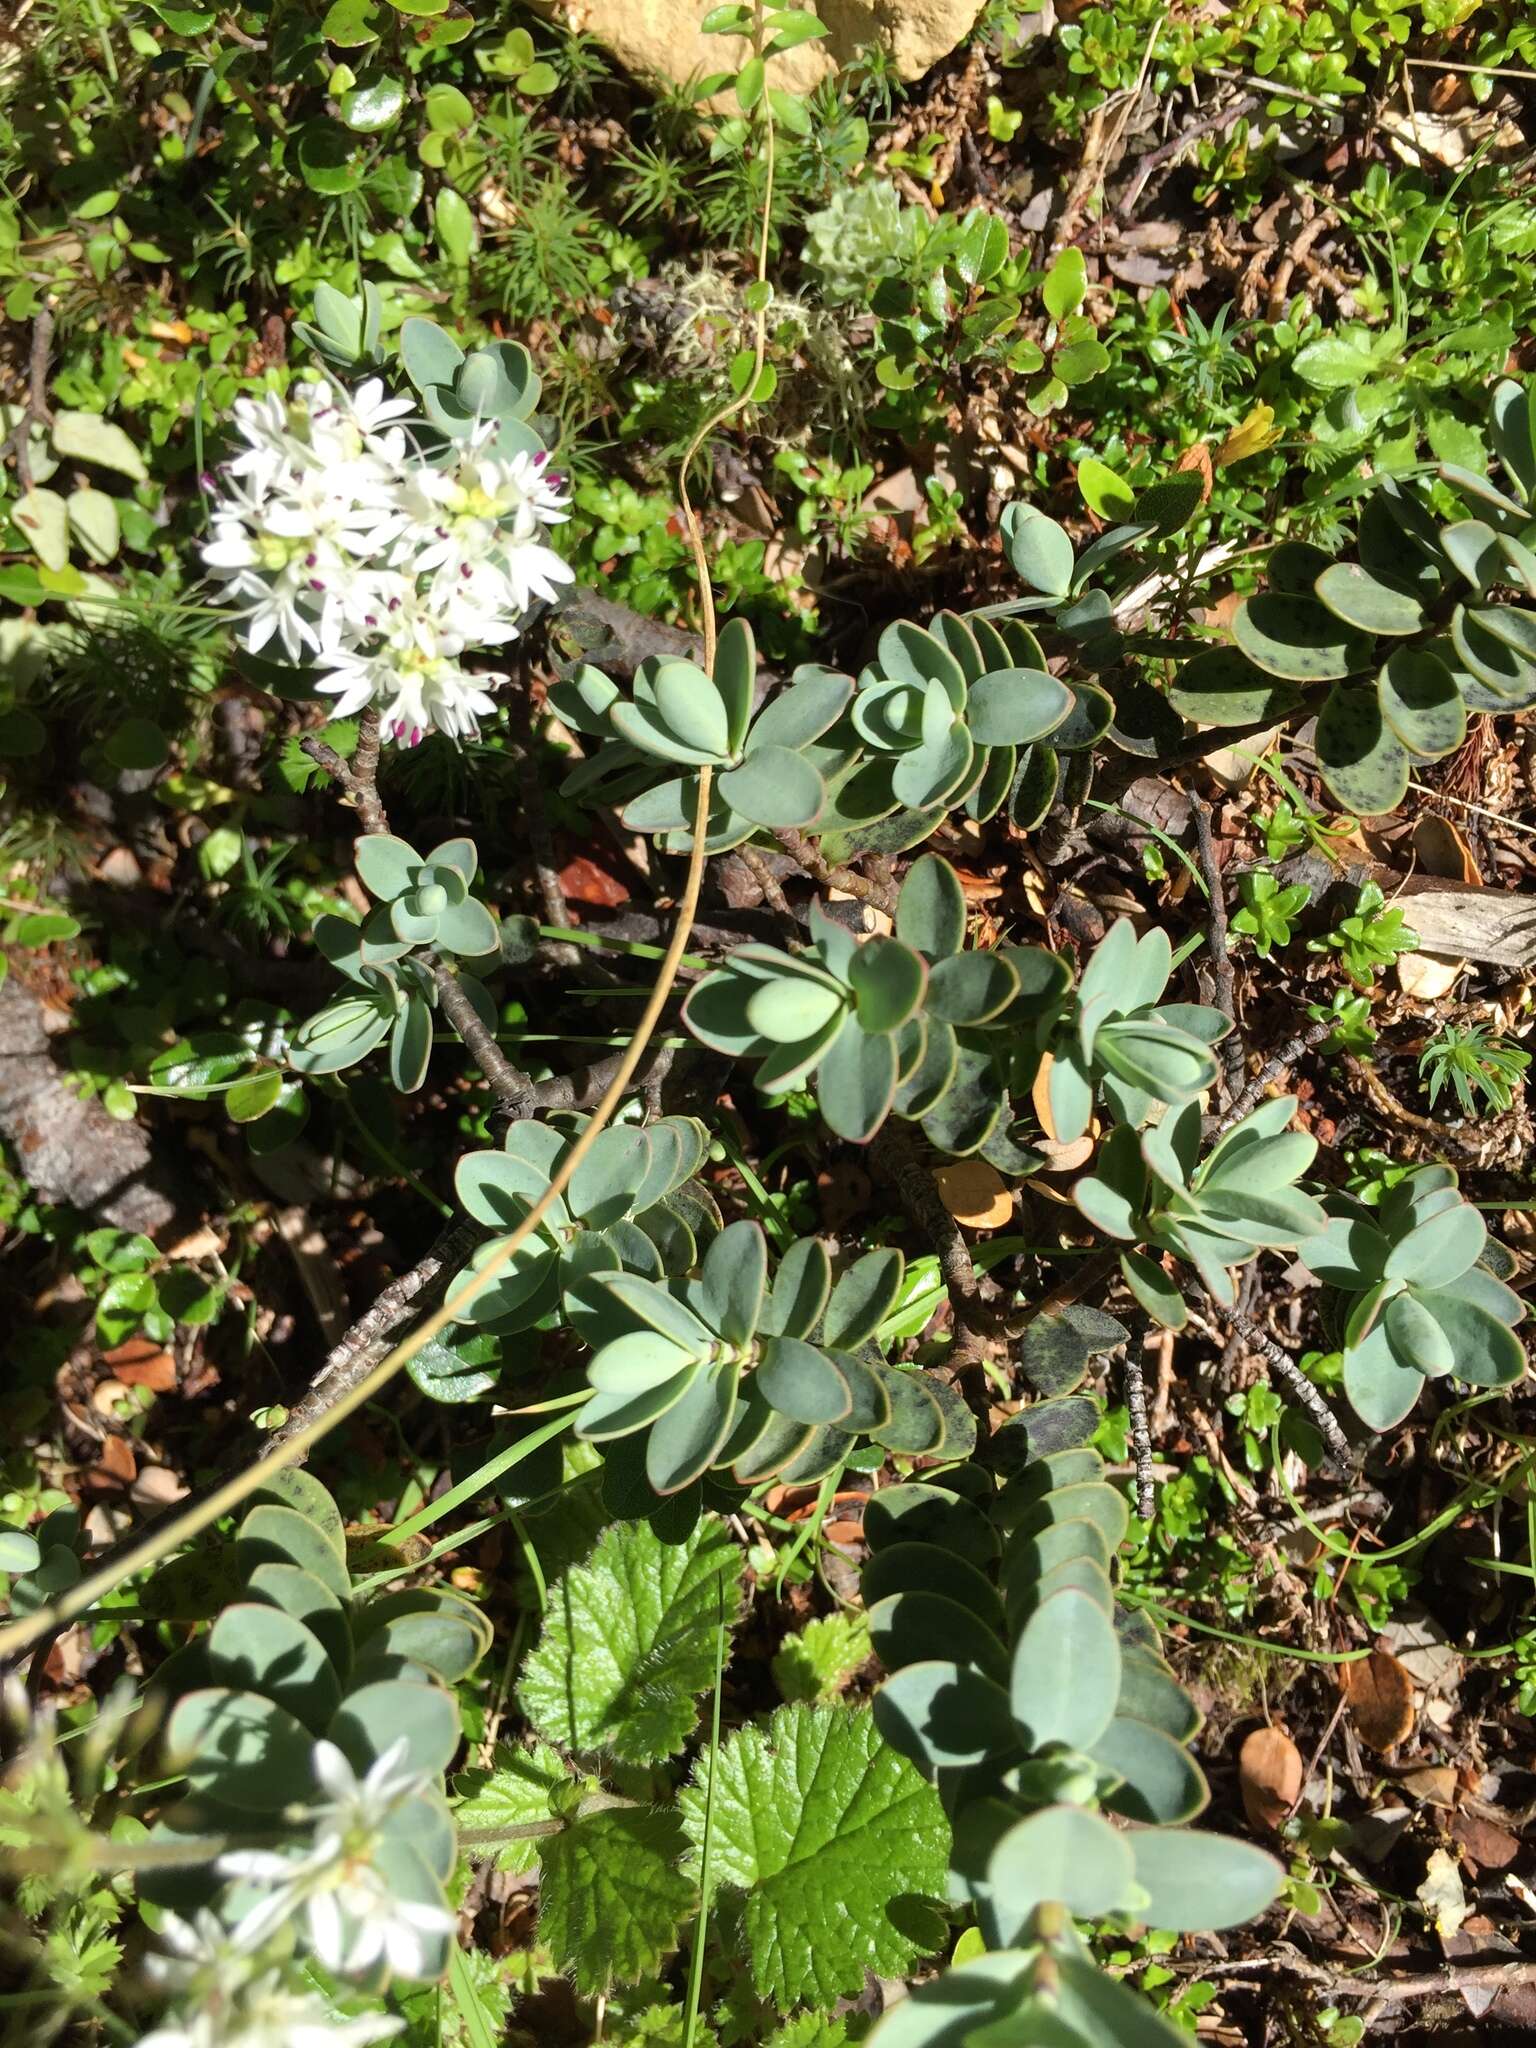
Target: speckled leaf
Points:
x,y
1298,638
1420,702
1494,662
1363,761
1368,602
1222,687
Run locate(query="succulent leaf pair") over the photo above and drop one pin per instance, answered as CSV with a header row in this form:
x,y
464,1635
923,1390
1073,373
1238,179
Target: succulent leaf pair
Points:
x,y
1017,1684
387,1002
1114,1036
765,773
424,901
1422,607
632,1205
1042,554
458,391
1422,1300
1153,1188
725,1370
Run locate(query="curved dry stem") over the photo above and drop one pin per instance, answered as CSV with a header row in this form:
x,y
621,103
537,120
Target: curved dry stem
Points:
x,y
18,1636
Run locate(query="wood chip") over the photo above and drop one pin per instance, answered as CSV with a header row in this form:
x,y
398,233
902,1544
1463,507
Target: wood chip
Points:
x,y
975,1194
1497,926
1379,1694
1269,1770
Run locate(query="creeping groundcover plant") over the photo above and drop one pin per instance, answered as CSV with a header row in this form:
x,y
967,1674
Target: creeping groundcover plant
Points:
x,y
735,1602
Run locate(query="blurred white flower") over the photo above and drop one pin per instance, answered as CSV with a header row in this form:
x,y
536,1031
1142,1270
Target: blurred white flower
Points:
x,y
348,1908
338,541
202,1955
266,2015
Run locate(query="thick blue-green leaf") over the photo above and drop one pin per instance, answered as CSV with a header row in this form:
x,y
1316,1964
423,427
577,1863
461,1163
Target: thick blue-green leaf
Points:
x,y
1199,1881
1063,1855
734,1279
241,1748
856,1082
931,909
1066,1673
774,787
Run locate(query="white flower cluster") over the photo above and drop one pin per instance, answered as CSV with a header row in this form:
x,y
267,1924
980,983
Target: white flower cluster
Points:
x,y
347,546
352,1915
334,1891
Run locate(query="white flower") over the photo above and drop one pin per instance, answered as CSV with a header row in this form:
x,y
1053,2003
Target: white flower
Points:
x,y
337,540
409,666
365,1802
351,1913
203,1954
534,571
372,408
269,2016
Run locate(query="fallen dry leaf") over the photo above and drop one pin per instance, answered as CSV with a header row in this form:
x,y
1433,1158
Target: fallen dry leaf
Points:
x,y
1269,1770
1428,977
115,1463
1435,1784
1488,1846
157,1372
975,1194
1234,766
1040,1097
156,1487
585,882
1442,850
1198,459
1379,1694
1067,1158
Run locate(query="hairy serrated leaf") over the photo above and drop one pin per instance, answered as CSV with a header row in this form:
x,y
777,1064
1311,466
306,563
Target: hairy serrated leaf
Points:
x,y
515,1792
629,1642
611,1895
819,1825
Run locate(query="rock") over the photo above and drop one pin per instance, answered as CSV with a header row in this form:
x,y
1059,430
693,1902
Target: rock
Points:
x,y
661,38
70,1149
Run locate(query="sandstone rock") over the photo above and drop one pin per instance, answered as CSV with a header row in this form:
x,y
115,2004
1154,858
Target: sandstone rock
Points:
x,y
660,38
